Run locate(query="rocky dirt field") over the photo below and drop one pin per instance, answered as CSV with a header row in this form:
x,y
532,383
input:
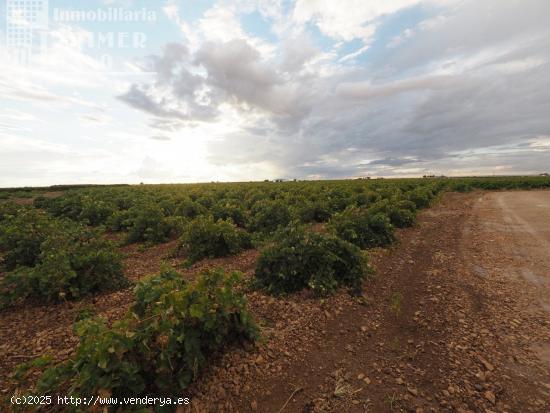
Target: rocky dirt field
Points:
x,y
455,319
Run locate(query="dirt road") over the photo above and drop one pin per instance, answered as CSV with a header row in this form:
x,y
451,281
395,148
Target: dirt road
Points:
x,y
506,244
521,221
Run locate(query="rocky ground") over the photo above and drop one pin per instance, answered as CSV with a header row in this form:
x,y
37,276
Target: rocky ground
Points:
x,y
455,319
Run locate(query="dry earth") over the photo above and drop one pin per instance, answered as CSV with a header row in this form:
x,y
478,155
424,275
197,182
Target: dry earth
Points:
x,y
456,319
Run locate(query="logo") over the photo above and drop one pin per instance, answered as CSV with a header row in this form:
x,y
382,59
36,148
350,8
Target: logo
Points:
x,y
32,28
27,25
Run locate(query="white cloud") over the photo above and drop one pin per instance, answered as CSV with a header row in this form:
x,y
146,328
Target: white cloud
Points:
x,y
353,55
17,115
349,19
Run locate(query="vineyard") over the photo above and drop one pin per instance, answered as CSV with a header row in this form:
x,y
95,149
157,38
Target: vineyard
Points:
x,y
61,246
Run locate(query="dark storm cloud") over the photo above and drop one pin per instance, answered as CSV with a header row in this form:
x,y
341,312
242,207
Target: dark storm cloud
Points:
x,y
174,95
234,73
477,77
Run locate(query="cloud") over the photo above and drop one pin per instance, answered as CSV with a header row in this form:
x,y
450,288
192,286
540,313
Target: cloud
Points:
x,y
160,138
16,115
469,28
178,93
391,162
297,52
96,118
141,98
43,160
353,20
28,91
366,90
306,89
447,86
192,88
153,169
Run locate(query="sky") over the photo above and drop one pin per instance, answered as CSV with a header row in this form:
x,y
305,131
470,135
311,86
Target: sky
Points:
x,y
129,91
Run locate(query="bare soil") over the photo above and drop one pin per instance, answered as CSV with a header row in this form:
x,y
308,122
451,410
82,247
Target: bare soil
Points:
x,y
30,199
456,319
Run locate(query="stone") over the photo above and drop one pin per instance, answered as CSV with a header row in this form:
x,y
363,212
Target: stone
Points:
x,y
489,395
488,366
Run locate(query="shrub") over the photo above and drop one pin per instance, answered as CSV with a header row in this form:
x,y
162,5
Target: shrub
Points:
x,y
366,198
95,211
24,193
267,216
401,213
84,313
401,218
119,221
298,259
149,291
206,238
169,205
405,204
227,210
73,262
461,187
40,202
147,224
69,205
313,211
7,210
421,196
177,225
22,231
162,344
339,199
189,209
362,228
